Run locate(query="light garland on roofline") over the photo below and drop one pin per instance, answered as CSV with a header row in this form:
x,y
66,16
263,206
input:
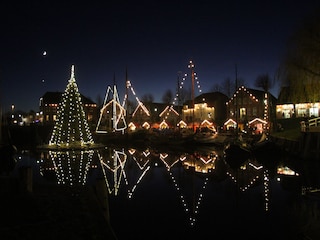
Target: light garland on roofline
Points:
x,y
240,89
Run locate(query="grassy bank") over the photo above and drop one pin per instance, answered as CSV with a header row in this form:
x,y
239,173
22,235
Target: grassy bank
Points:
x,y
290,129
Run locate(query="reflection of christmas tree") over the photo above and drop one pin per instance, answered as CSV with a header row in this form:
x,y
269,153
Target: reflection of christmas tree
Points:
x,y
71,128
71,167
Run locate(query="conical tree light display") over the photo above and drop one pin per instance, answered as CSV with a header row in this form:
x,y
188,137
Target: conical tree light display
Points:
x,y
71,128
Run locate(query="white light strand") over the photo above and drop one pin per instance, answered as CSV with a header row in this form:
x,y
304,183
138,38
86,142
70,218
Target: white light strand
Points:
x,y
71,127
182,83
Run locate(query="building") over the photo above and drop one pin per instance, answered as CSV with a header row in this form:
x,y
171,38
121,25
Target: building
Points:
x,y
207,106
287,108
49,103
251,108
158,113
170,115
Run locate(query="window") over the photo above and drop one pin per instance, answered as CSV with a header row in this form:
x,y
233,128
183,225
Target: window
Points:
x,y
249,112
254,111
242,112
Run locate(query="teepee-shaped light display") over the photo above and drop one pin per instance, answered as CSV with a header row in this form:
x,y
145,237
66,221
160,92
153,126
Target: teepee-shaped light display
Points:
x,y
71,128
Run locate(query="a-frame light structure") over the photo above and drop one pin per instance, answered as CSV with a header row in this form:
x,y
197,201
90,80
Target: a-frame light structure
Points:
x,y
140,104
112,113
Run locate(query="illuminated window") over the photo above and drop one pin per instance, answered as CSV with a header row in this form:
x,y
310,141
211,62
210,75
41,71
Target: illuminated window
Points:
x,y
242,112
314,112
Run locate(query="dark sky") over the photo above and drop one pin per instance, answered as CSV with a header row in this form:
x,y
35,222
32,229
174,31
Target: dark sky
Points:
x,y
153,40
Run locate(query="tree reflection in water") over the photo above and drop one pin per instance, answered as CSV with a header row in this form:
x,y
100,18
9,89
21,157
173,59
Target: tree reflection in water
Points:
x,y
68,167
189,192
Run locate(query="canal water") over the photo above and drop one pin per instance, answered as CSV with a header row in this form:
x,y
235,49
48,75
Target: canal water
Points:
x,y
192,193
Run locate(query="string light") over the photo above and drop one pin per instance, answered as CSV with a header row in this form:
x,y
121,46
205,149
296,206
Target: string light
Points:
x,y
71,128
250,182
184,78
111,104
242,89
266,110
167,111
266,188
71,167
140,104
116,166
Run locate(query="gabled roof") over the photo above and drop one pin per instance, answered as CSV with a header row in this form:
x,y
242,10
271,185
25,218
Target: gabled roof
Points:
x,y
161,107
210,98
257,94
55,98
169,109
257,120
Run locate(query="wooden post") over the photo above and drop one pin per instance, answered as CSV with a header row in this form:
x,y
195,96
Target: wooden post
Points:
x,y
102,195
318,146
306,147
26,181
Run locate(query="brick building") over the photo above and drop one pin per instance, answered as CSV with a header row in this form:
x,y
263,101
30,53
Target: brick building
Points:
x,y
49,103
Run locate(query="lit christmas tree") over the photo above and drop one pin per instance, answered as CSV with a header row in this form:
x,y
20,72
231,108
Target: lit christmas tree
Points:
x,y
71,128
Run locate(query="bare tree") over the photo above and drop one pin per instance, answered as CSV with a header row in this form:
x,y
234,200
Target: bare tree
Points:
x,y
184,95
228,87
99,100
240,82
167,97
216,88
264,82
147,98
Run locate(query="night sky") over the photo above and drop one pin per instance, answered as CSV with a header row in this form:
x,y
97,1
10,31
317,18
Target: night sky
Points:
x,y
153,40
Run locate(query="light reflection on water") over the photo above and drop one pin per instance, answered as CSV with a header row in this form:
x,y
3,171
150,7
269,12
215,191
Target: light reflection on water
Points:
x,y
179,193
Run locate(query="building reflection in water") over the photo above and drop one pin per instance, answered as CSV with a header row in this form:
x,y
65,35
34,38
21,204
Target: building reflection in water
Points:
x,y
250,174
116,171
142,160
197,162
124,169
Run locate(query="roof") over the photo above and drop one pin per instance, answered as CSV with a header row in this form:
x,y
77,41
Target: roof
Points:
x,y
258,94
55,97
210,98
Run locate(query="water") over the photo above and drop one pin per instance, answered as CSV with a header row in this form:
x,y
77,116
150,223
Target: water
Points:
x,y
180,193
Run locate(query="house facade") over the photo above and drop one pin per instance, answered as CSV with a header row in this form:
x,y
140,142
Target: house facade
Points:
x,y
287,108
251,108
207,106
49,103
160,115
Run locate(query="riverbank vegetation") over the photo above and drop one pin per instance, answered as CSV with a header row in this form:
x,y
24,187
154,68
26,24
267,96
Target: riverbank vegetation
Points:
x,y
288,128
